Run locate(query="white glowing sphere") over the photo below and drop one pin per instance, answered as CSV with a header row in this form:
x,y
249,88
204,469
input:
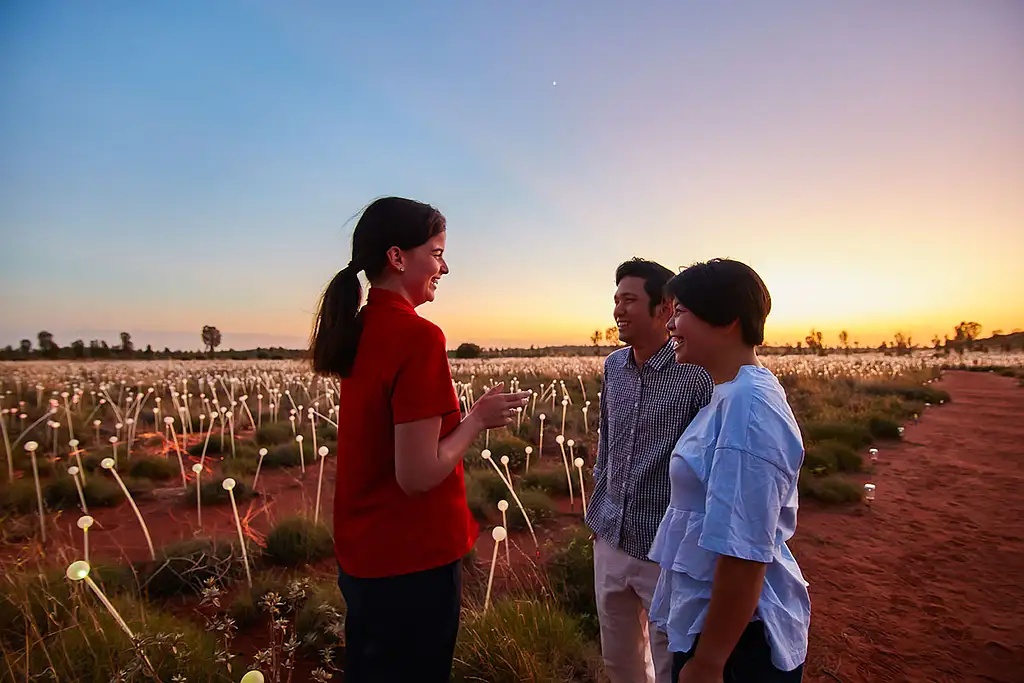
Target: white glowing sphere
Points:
x,y
485,453
323,451
107,463
113,439
499,534
259,396
873,451
228,484
578,462
291,418
570,443
504,460
168,420
543,417
77,571
95,423
299,438
263,451
559,439
503,505
73,470
64,394
73,443
529,450
253,676
31,446
565,401
197,468
84,522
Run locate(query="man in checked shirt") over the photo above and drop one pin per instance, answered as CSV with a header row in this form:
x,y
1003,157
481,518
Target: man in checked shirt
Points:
x,y
647,400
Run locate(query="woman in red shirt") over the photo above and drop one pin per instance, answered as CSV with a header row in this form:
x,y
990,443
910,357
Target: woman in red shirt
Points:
x,y
401,523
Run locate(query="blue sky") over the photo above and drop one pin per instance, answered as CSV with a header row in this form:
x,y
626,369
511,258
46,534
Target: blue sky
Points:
x,y
166,165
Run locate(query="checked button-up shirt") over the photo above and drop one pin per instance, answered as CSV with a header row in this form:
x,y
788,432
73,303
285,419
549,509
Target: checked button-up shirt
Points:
x,y
644,411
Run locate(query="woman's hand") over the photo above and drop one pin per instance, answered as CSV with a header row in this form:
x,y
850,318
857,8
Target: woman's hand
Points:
x,y
495,409
697,671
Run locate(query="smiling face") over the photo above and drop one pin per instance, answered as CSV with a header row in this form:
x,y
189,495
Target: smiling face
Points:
x,y
695,340
633,317
424,266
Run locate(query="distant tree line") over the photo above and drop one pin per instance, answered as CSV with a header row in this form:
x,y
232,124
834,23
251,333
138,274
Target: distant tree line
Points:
x,y
48,349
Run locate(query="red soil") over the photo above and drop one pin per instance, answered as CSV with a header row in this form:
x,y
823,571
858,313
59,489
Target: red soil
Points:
x,y
926,584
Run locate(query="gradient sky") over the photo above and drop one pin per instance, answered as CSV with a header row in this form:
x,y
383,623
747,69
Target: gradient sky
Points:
x,y
165,165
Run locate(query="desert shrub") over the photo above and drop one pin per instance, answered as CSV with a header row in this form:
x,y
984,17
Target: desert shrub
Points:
x,y
297,540
212,448
320,622
94,649
213,492
850,433
99,491
287,455
43,465
832,456
571,575
19,496
906,391
274,433
238,467
154,467
539,507
477,500
139,487
551,481
884,428
523,640
832,489
183,568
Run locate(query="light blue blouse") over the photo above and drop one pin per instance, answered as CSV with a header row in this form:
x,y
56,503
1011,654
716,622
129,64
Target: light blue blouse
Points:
x,y
734,492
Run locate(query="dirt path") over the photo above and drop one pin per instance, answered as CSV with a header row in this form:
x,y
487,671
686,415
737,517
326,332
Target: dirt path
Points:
x,y
927,585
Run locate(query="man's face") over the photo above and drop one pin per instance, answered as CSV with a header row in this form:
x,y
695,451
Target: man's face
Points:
x,y
633,314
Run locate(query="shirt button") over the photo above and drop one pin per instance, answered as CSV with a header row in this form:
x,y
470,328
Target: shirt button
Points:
x,y
637,404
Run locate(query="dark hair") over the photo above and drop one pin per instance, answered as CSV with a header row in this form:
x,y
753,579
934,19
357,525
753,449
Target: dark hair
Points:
x,y
387,222
654,275
720,291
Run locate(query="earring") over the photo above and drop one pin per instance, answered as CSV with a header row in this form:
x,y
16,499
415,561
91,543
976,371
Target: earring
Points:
x,y
401,270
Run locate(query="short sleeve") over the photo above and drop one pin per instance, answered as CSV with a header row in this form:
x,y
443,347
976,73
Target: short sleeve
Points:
x,y
744,500
423,386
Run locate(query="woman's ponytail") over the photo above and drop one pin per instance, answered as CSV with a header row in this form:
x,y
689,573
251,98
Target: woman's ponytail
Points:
x,y
338,325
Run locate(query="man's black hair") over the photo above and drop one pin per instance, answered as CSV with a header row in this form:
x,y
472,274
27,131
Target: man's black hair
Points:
x,y
654,275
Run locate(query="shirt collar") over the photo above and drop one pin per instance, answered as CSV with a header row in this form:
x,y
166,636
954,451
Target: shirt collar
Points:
x,y
661,358
379,296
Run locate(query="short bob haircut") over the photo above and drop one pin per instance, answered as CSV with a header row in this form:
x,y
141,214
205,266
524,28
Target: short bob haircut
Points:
x,y
720,291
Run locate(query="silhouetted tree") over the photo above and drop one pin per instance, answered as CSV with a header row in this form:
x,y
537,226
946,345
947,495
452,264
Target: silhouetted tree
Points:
x,y
78,348
127,348
814,342
25,347
211,338
844,339
148,353
611,335
901,343
48,347
966,333
595,338
468,350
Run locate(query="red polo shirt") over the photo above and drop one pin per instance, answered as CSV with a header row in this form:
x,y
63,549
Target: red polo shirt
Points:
x,y
401,374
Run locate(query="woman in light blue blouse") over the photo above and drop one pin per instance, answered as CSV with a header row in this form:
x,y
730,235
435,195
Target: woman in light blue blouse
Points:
x,y
731,596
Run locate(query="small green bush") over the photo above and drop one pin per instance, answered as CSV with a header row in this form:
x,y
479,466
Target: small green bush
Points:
x,y
320,622
832,489
100,491
571,573
539,507
275,433
832,456
851,433
297,541
18,496
286,455
551,481
884,428
154,467
524,640
182,568
214,493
